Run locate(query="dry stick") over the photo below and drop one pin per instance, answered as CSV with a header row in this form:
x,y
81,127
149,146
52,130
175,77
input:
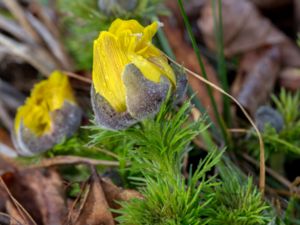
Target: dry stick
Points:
x,y
283,192
83,201
262,176
63,160
237,130
78,77
277,176
19,207
69,216
19,14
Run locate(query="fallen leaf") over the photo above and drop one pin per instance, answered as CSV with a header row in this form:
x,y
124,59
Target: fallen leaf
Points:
x,y
192,7
6,165
95,209
40,192
5,138
290,54
3,199
115,194
16,216
256,78
289,78
250,31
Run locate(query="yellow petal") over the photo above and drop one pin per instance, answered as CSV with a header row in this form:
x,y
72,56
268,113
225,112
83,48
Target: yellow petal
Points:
x,y
148,69
126,41
46,96
109,62
147,35
119,26
164,68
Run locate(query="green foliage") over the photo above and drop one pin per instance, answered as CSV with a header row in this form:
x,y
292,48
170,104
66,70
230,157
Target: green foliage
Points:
x,y
237,202
168,200
158,146
292,214
287,140
288,105
218,117
84,20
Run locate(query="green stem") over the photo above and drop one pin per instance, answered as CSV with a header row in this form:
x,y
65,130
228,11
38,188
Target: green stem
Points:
x,y
168,50
222,71
203,72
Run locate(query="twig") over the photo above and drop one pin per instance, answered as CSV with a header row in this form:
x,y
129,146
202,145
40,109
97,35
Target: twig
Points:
x,y
67,160
284,192
274,174
19,14
238,130
262,175
19,207
78,77
69,218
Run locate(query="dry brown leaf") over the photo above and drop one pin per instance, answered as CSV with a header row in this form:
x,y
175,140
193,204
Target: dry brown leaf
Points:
x,y
6,165
249,32
186,56
244,27
17,217
289,78
3,199
256,78
192,7
5,138
290,54
40,192
95,209
114,194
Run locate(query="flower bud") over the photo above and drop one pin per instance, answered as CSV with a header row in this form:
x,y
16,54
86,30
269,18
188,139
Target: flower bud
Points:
x,y
131,77
267,115
48,116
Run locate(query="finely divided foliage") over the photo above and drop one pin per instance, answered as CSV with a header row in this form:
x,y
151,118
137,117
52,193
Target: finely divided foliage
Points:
x,y
156,149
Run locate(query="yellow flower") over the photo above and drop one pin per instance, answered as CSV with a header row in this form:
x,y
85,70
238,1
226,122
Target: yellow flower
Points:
x,y
46,96
126,42
41,115
131,77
